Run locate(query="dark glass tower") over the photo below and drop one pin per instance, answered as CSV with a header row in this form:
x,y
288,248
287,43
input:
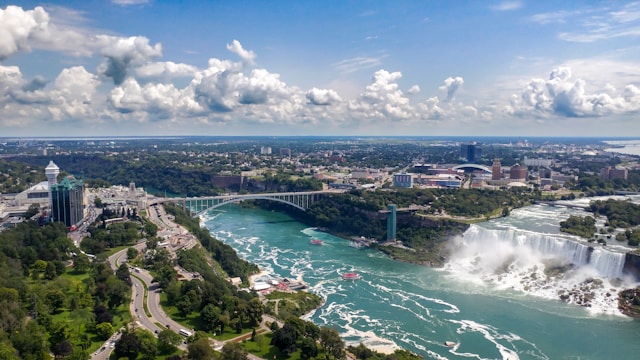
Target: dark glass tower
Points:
x,y
470,152
67,201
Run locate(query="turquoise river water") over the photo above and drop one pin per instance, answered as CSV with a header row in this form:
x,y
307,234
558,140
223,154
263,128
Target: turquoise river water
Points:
x,y
489,314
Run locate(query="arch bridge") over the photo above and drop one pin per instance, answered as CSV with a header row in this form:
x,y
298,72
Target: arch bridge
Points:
x,y
199,205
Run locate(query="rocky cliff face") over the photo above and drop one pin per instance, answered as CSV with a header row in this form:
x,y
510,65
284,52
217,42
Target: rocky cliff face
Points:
x,y
632,265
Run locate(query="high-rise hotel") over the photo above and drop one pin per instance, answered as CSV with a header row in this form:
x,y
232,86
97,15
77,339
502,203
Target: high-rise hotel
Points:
x,y
67,201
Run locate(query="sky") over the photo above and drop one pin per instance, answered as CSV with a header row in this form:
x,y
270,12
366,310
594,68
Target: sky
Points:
x,y
283,68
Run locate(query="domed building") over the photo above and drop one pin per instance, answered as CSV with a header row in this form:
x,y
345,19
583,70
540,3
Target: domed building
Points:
x,y
37,194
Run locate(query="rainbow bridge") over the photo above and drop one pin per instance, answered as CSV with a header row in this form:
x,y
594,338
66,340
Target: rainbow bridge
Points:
x,y
199,205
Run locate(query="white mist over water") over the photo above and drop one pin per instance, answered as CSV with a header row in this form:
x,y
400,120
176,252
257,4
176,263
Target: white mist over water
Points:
x,y
513,254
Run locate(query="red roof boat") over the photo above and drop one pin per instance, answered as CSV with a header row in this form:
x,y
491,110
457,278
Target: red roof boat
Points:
x,y
350,276
316,242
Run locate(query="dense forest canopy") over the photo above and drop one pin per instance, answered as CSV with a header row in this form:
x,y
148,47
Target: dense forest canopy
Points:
x,y
48,307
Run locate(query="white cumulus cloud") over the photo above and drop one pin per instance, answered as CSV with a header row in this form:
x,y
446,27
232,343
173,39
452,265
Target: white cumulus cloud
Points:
x,y
382,99
322,96
247,56
166,71
22,30
415,89
451,86
122,53
561,96
73,96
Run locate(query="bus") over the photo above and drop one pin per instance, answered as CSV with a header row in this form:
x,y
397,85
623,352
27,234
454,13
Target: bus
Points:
x,y
184,332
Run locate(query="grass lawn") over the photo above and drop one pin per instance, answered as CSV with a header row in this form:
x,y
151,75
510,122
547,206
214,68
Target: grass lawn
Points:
x,y
193,321
261,347
116,249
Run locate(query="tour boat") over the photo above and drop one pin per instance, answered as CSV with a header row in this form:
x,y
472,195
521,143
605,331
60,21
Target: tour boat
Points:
x,y
350,276
316,242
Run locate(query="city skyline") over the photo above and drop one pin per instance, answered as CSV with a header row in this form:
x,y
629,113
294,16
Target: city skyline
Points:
x,y
165,68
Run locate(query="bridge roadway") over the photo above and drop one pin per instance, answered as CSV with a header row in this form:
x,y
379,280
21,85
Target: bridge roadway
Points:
x,y
301,200
564,203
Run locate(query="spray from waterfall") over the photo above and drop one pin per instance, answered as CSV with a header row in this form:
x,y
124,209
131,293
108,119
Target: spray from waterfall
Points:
x,y
548,265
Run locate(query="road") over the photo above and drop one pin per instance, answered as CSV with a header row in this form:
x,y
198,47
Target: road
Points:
x,y
137,305
140,278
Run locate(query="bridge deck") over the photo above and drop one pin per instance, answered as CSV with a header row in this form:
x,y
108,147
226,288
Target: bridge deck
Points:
x,y
198,205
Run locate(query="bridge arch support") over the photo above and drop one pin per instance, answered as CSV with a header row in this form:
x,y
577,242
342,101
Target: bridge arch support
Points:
x,y
200,205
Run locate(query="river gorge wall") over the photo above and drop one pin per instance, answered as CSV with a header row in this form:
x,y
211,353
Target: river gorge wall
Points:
x,y
632,265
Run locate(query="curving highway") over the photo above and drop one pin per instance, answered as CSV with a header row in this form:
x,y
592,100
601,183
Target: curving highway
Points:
x,y
139,279
157,320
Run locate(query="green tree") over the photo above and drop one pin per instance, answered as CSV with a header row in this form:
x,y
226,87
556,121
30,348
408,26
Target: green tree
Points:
x,y
255,310
7,351
104,330
173,291
308,348
118,292
40,266
184,306
79,354
30,341
127,346
285,339
31,211
123,274
132,253
81,316
11,314
58,333
233,351
165,275
361,351
148,344
200,350
63,348
150,229
81,263
168,341
332,343
50,271
210,316
56,300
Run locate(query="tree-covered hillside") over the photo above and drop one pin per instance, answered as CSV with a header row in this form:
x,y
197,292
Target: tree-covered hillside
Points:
x,y
46,306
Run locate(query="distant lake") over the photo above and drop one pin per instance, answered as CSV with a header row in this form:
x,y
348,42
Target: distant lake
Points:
x,y
629,147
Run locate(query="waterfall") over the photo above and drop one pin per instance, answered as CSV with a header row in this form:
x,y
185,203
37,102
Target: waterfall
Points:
x,y
502,244
609,264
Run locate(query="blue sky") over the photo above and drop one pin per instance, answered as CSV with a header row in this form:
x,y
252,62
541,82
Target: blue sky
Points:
x,y
128,67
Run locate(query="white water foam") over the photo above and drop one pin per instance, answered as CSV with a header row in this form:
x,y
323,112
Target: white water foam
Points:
x,y
545,265
352,335
492,335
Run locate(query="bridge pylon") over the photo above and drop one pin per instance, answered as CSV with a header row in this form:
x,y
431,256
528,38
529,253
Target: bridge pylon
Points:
x,y
391,222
